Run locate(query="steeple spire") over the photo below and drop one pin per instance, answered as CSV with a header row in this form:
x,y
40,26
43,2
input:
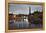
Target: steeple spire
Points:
x,y
29,10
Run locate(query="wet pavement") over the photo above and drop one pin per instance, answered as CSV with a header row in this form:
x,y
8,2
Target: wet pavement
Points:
x,y
23,25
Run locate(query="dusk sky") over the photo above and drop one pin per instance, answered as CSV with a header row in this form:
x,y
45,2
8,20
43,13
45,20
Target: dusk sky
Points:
x,y
23,8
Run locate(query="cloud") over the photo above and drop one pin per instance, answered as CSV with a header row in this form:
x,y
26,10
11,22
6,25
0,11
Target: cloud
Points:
x,y
23,8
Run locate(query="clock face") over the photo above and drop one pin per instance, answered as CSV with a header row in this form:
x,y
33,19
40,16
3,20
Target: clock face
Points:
x,y
24,16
